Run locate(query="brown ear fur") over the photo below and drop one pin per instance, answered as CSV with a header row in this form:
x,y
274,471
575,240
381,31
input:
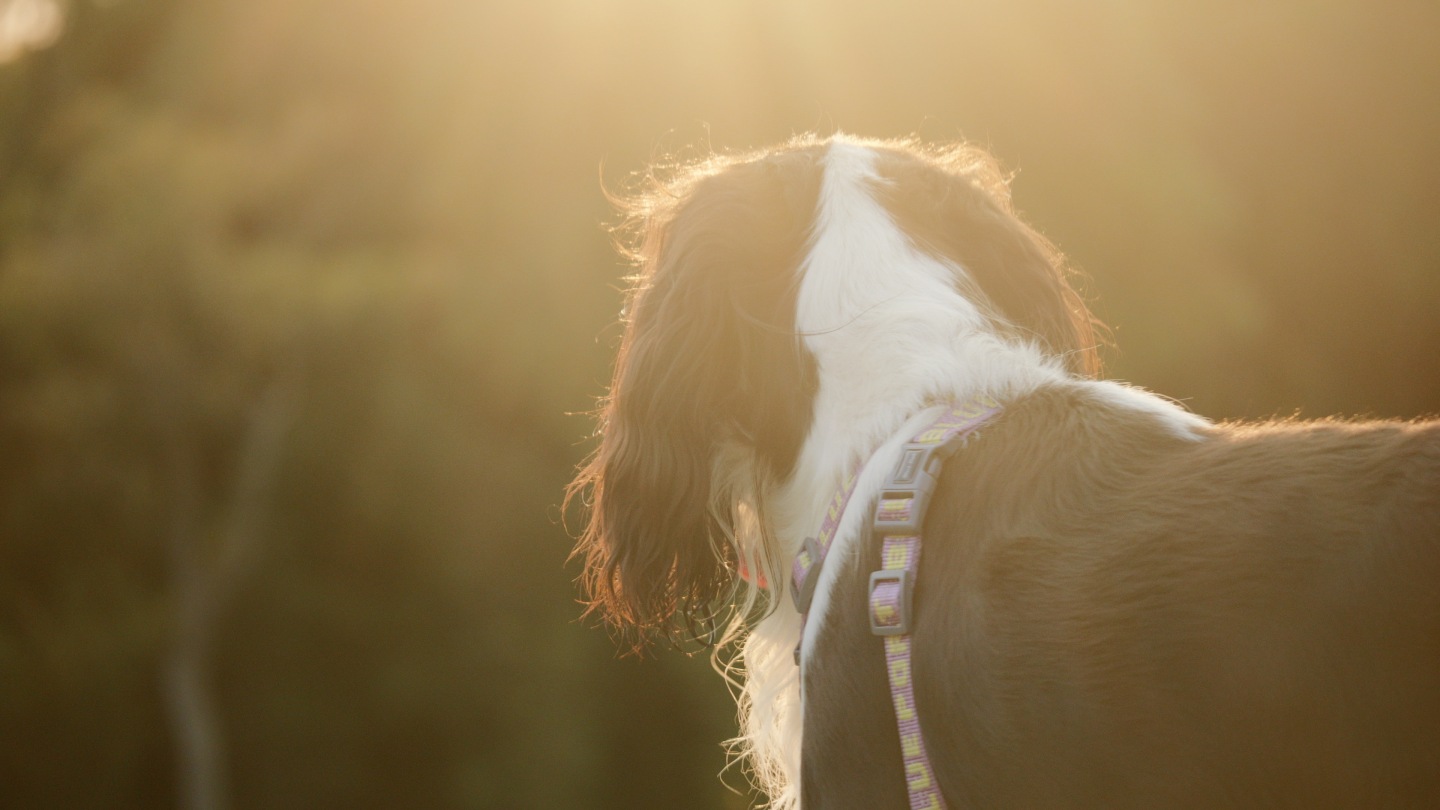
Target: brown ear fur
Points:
x,y
955,204
709,360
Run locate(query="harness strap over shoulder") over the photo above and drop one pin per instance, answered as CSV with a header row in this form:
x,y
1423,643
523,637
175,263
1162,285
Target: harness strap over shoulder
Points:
x,y
899,517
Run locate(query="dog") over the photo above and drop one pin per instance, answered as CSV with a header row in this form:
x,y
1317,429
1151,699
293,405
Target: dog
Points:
x,y
1121,604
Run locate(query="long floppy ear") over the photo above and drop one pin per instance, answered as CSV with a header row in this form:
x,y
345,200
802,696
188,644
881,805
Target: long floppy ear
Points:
x,y
709,361
956,204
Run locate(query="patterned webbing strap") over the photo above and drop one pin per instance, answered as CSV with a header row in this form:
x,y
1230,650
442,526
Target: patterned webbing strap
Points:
x,y
805,570
898,518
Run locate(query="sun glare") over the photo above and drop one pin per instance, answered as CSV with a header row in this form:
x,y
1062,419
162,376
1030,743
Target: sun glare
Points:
x,y
28,25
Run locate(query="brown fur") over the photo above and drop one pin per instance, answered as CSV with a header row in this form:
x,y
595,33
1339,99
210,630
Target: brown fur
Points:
x,y
1111,616
710,359
955,204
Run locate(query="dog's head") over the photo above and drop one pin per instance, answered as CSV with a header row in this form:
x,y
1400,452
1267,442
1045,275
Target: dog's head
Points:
x,y
716,380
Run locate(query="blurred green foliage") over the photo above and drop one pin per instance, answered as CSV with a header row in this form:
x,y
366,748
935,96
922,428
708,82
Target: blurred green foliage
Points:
x,y
297,300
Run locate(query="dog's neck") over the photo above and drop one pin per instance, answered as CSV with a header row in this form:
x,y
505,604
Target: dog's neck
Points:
x,y
894,330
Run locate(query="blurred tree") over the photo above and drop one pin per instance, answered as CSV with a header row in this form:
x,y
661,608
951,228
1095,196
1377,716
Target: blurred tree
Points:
x,y
402,630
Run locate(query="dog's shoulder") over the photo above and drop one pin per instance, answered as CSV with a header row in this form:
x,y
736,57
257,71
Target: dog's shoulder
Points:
x,y
1092,451
1096,585
1062,450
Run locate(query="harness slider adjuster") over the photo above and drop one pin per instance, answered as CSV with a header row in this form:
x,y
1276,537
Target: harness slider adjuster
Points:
x,y
892,611
908,488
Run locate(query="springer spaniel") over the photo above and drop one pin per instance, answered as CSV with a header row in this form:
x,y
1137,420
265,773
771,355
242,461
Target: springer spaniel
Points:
x,y
1120,605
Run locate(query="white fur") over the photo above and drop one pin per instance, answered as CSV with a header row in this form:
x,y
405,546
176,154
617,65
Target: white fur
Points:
x,y
892,335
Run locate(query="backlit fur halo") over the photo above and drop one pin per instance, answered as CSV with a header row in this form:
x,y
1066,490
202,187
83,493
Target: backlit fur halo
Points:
x,y
713,390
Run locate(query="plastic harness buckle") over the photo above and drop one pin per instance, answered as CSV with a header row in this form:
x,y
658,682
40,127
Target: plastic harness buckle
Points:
x,y
804,591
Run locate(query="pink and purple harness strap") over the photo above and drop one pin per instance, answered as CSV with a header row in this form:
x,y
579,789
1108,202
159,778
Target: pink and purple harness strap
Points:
x,y
899,517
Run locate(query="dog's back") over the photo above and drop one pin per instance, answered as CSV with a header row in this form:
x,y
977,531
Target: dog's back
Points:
x,y
1113,615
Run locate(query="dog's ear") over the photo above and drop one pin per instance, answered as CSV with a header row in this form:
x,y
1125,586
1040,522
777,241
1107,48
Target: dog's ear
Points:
x,y
709,363
956,205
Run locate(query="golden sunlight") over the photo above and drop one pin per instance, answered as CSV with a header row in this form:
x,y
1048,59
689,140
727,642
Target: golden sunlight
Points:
x,y
28,25
302,304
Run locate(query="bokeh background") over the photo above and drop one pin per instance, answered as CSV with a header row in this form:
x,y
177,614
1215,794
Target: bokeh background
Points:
x,y
298,299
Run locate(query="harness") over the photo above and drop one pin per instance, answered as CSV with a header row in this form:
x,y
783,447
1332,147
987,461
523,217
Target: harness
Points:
x,y
898,519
